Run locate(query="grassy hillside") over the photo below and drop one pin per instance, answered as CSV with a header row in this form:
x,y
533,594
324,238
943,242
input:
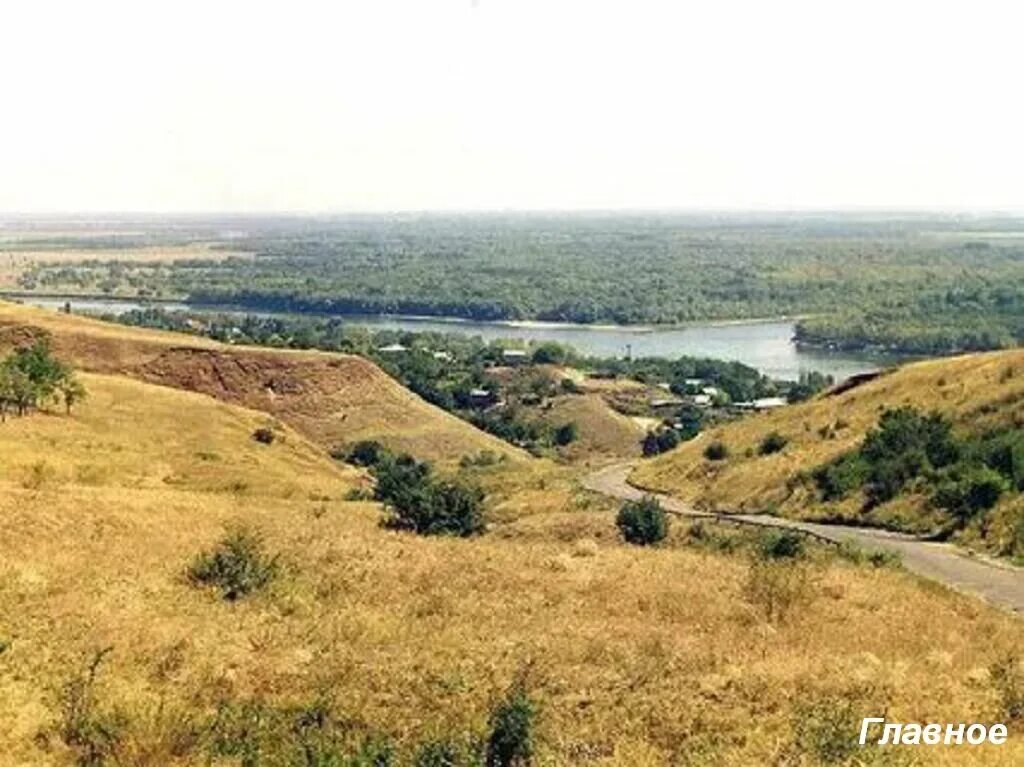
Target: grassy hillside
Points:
x,y
630,657
978,392
333,399
603,432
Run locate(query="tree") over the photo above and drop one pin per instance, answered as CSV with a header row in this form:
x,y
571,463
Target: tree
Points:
x,y
32,376
71,390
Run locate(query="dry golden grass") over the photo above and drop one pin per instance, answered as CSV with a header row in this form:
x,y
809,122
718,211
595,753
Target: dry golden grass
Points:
x,y
637,657
333,399
976,390
603,433
135,436
16,260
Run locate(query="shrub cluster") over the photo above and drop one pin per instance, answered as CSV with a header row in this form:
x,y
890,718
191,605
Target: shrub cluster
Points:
x,y
417,500
965,476
642,522
660,441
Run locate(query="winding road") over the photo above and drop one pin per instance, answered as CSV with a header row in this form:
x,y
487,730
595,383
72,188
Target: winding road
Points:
x,y
996,583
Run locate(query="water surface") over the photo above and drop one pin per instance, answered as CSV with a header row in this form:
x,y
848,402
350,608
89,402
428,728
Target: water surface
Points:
x,y
767,346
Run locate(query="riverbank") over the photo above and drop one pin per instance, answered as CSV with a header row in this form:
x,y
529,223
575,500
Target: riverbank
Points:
x,y
766,343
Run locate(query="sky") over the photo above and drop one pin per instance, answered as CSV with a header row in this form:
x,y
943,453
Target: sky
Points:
x,y
388,105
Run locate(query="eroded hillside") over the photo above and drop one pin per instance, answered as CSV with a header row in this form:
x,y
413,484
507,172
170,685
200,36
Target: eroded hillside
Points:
x,y
334,399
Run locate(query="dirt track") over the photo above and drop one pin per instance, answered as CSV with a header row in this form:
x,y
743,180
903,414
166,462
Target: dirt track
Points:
x,y
1001,585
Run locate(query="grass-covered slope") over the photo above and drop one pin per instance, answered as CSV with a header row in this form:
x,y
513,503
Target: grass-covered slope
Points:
x,y
630,658
334,399
979,393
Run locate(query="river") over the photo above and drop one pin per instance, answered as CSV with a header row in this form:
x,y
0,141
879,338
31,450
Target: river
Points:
x,y
765,345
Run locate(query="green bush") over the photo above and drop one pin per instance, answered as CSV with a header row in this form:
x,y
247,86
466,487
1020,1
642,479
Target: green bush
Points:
x,y
642,522
661,441
838,479
264,435
238,565
970,491
781,544
772,443
1007,677
510,743
365,453
566,434
418,502
716,451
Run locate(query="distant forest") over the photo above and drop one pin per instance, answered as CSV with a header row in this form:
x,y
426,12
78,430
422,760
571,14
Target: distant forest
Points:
x,y
919,284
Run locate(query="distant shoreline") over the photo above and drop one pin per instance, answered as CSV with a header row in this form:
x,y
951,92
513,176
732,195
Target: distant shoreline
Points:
x,y
522,324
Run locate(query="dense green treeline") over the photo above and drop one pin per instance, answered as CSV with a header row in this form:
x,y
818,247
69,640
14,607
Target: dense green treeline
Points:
x,y
917,284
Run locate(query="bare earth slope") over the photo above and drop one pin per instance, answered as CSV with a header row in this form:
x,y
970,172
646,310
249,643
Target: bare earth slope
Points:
x,y
334,399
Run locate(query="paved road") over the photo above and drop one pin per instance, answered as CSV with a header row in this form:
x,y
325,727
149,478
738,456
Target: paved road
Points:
x,y
1001,585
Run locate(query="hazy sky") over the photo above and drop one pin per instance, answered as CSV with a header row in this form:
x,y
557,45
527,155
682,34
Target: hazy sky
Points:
x,y
432,104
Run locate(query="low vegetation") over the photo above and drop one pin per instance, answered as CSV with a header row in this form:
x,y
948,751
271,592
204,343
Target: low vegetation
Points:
x,y
642,522
418,501
238,566
964,477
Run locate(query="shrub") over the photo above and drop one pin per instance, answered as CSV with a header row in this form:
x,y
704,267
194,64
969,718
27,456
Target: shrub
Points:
x,y
974,490
716,451
366,453
837,479
237,566
569,386
661,441
446,753
781,544
482,459
418,502
777,586
510,743
92,734
826,726
566,434
264,435
1007,677
772,443
642,522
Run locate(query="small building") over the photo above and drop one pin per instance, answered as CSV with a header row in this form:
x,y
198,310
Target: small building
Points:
x,y
666,402
701,400
481,397
514,356
711,391
393,349
443,356
694,382
764,403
